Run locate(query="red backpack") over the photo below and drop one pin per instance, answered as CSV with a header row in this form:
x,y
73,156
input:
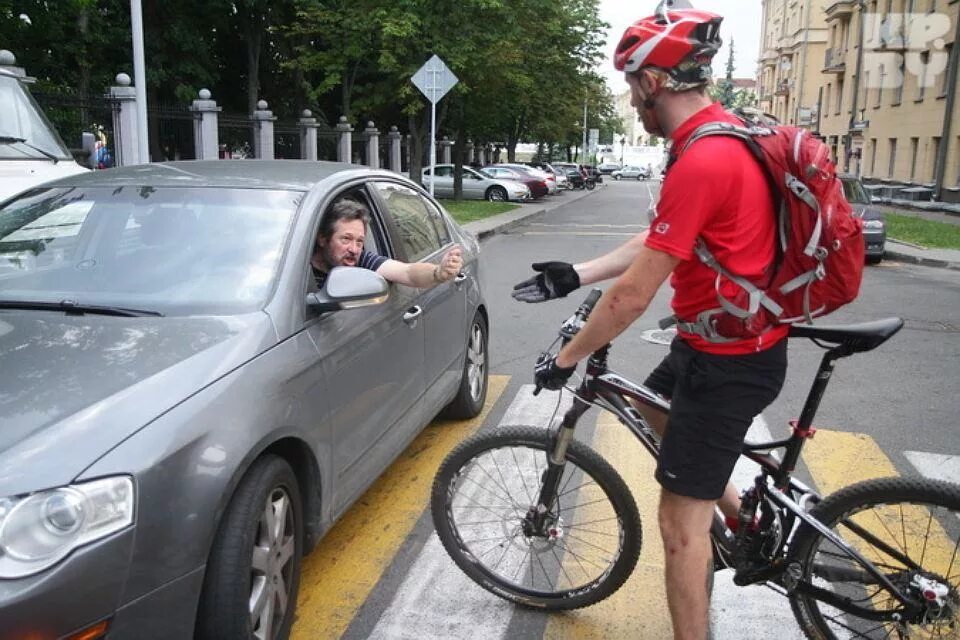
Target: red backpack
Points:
x,y
820,248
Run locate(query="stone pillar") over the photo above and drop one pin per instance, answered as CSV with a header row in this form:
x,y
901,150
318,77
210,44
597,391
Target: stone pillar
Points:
x,y
446,150
206,141
345,146
126,142
263,120
373,146
488,155
396,164
469,152
308,135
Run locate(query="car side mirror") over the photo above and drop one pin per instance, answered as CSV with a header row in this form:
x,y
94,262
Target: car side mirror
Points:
x,y
349,288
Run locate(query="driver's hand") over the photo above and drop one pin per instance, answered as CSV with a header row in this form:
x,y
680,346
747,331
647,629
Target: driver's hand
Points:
x,y
555,280
548,375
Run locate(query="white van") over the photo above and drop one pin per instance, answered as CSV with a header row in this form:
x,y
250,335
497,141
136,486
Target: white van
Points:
x,y
31,152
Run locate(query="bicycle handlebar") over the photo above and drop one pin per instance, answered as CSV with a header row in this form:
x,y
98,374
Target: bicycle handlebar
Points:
x,y
574,323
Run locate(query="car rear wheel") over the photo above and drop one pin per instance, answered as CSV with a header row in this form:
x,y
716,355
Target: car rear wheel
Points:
x,y
253,572
473,382
616,176
496,194
639,177
874,259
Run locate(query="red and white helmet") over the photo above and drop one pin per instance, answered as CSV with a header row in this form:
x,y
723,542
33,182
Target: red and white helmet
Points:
x,y
680,41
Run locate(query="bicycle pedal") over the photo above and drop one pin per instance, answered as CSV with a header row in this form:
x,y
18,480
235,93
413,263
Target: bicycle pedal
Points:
x,y
755,573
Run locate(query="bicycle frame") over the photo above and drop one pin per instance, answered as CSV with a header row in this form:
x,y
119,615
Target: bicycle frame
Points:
x,y
612,392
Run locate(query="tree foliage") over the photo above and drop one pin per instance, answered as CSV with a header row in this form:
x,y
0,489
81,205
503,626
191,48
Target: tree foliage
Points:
x,y
525,68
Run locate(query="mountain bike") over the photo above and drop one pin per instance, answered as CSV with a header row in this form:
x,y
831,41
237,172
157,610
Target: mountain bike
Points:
x,y
538,518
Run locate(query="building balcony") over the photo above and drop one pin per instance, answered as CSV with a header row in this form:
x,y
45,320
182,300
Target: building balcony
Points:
x,y
840,10
835,61
783,88
769,56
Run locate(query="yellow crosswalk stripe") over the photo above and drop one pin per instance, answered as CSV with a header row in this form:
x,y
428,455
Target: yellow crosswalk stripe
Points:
x,y
639,608
341,572
838,458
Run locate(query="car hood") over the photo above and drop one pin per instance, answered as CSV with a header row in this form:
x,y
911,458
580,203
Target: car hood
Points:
x,y
20,175
73,387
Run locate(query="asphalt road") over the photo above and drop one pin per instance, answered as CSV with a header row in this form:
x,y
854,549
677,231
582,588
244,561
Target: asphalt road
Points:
x,y
381,572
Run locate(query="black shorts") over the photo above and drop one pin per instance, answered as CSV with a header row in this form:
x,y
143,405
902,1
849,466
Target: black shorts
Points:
x,y
713,401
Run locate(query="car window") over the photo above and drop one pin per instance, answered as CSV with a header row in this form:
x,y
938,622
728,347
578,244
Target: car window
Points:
x,y
419,226
853,191
179,251
444,172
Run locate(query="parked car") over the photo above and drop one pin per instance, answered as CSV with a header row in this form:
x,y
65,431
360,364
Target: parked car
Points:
x,y
543,174
476,186
606,168
31,151
537,184
874,226
559,175
630,171
182,413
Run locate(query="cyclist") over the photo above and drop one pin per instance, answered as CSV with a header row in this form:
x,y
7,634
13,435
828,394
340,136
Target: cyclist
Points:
x,y
717,192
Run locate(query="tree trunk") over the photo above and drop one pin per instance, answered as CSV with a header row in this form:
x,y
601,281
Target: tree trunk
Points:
x,y
415,168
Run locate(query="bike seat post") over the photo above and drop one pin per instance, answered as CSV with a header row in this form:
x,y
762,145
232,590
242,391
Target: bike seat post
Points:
x,y
803,428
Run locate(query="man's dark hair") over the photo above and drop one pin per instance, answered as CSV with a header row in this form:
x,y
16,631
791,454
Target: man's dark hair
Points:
x,y
343,209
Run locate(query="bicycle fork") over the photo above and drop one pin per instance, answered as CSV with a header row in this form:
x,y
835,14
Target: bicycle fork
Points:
x,y
541,519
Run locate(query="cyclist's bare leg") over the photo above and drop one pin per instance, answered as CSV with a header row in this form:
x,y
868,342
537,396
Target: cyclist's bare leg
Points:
x,y
729,503
685,528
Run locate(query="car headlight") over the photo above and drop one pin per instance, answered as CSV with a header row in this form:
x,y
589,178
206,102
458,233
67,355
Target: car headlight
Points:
x,y
39,530
873,224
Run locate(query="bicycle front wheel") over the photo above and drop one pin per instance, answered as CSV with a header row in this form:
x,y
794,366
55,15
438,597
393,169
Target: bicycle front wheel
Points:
x,y
483,503
910,530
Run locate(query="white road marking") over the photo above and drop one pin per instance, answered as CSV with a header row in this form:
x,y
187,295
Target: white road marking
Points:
x,y
939,466
437,600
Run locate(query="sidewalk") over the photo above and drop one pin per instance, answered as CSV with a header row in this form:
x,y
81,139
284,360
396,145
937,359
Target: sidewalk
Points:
x,y
895,250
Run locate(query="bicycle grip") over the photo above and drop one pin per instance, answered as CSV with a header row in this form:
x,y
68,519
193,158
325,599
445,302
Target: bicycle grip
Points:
x,y
587,306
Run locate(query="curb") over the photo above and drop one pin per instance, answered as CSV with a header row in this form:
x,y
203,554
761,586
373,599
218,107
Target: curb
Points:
x,y
927,262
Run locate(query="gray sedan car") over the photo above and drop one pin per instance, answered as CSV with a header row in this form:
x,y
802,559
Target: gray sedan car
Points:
x,y
476,186
183,414
874,226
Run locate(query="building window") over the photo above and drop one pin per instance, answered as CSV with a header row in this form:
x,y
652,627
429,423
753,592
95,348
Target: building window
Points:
x,y
914,149
902,80
893,157
922,77
873,156
883,80
839,96
825,106
945,76
931,172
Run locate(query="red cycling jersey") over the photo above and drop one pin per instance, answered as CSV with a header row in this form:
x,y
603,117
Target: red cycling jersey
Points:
x,y
715,190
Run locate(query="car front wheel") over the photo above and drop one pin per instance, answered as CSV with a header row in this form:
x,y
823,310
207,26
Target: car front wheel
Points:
x,y
253,572
496,194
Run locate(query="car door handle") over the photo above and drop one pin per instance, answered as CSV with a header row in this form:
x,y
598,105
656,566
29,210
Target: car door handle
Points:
x,y
412,315
460,278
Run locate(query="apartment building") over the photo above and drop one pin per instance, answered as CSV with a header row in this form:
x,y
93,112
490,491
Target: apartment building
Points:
x,y
887,89
792,44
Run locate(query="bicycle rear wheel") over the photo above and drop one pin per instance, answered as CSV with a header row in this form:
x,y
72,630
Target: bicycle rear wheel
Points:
x,y
910,530
482,500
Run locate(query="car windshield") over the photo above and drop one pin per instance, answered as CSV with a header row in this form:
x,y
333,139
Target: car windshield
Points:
x,y
853,191
175,251
23,120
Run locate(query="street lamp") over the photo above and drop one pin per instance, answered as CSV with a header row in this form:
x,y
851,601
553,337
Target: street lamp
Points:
x,y
623,142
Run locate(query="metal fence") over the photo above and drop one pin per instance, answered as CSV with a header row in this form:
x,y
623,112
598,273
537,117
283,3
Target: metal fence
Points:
x,y
235,133
72,114
171,133
286,140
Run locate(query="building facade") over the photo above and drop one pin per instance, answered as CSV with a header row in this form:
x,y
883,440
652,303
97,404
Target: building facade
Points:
x,y
887,89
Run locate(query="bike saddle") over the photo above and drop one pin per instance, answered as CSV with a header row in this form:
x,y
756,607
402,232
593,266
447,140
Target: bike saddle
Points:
x,y
862,336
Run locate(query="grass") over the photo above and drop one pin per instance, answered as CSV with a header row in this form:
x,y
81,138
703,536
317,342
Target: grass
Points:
x,y
469,210
926,233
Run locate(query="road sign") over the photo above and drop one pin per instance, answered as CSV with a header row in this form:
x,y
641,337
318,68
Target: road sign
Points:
x,y
434,79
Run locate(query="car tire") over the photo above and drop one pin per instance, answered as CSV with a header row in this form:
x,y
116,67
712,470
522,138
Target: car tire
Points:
x,y
874,259
233,578
496,194
472,392
616,177
639,177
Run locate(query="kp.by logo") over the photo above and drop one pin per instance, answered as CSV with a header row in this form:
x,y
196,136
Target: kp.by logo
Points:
x,y
901,43
661,227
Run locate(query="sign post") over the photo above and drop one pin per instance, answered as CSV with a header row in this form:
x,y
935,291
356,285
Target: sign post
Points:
x,y
434,79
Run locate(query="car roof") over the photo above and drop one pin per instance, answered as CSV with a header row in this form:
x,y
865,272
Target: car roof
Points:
x,y
298,175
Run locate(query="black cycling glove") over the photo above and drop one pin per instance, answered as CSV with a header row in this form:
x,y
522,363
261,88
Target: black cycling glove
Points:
x,y
548,375
555,280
